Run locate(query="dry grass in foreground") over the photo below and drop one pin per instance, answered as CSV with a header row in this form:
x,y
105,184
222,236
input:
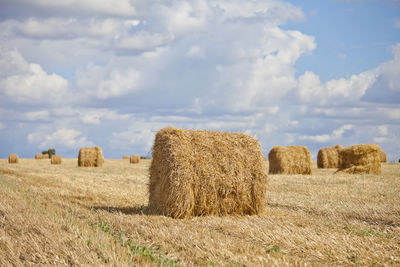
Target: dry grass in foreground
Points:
x,y
62,214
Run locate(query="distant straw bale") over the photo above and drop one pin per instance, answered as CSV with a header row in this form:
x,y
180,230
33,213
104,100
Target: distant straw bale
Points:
x,y
196,173
328,157
360,159
90,157
289,160
13,158
41,156
125,157
383,156
55,159
134,159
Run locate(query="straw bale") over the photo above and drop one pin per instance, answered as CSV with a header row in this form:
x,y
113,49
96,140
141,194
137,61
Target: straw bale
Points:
x,y
328,157
125,157
55,159
90,157
134,159
383,156
13,158
196,173
363,158
289,160
41,156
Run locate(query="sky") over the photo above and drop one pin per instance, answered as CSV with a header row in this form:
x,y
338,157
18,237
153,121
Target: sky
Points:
x,y
112,73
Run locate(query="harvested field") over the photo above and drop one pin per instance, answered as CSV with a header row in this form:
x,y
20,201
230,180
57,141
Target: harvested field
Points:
x,y
66,215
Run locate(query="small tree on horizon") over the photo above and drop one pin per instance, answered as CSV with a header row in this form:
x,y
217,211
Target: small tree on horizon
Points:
x,y
50,152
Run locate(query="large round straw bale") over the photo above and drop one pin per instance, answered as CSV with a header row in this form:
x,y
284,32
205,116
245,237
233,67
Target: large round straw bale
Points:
x,y
383,156
13,158
90,157
195,173
125,157
55,159
328,157
134,159
360,159
289,160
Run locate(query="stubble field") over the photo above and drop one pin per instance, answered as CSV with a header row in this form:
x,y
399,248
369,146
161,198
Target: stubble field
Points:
x,y
65,215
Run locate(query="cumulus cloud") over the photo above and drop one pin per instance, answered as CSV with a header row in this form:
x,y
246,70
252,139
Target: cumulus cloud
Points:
x,y
387,86
121,71
65,28
37,115
381,84
324,138
28,82
106,82
141,41
311,90
64,138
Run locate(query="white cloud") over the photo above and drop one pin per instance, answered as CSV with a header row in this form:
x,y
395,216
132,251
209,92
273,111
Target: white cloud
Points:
x,y
381,84
273,12
136,139
195,52
383,130
311,90
393,113
27,83
96,116
142,41
119,83
182,17
66,28
263,74
37,115
64,138
106,82
380,140
324,138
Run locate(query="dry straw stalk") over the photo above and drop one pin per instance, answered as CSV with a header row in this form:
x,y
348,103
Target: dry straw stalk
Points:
x,y
56,159
289,160
328,157
13,158
90,157
134,159
363,158
206,173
